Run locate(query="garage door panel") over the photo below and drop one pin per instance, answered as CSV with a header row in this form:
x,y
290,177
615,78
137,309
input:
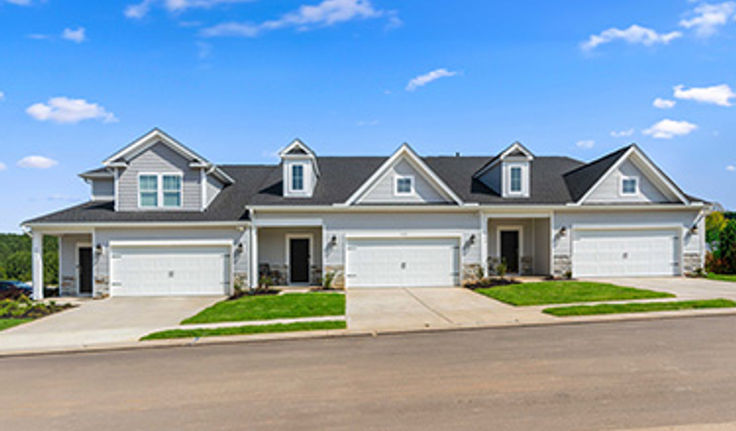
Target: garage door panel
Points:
x,y
141,271
402,262
645,252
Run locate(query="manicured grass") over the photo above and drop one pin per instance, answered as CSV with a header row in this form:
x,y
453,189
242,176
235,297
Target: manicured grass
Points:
x,y
565,292
585,310
265,307
722,277
244,330
9,323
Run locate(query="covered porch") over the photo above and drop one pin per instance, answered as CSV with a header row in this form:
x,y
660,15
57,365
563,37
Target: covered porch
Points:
x,y
521,241
75,266
288,256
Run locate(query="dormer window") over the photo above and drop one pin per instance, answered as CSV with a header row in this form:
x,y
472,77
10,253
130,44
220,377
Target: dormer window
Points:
x,y
404,185
629,186
515,179
297,177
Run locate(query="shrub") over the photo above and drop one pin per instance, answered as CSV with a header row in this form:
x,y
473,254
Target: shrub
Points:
x,y
328,279
501,268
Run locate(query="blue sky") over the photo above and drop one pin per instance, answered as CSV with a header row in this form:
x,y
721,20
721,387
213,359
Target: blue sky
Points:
x,y
237,80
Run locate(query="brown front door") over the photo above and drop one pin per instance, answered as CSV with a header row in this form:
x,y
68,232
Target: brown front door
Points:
x,y
299,260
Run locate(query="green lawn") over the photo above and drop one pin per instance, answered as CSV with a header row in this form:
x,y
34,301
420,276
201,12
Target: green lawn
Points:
x,y
585,310
565,292
722,277
265,307
9,323
244,330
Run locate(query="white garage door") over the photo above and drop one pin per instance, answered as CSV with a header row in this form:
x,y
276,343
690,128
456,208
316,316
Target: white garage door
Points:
x,y
170,270
652,252
402,262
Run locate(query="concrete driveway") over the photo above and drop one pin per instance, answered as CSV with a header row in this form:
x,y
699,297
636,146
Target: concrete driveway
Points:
x,y
102,322
683,287
383,309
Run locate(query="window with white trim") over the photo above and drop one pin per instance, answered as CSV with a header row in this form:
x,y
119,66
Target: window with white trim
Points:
x,y
171,190
404,185
297,177
515,174
148,190
629,186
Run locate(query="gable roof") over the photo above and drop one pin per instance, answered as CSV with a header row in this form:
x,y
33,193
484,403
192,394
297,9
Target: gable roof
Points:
x,y
517,149
155,136
582,179
405,151
594,173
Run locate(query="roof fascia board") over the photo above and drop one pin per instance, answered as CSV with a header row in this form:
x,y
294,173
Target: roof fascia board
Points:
x,y
498,159
660,176
149,139
82,225
605,175
404,150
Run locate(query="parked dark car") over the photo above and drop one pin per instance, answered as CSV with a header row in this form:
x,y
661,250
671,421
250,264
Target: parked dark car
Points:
x,y
13,289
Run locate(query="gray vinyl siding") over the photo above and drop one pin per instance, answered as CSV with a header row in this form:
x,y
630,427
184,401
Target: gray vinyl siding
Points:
x,y
214,186
609,190
492,178
383,191
103,189
159,159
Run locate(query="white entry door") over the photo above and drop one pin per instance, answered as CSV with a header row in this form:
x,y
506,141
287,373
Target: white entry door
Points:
x,y
169,270
620,253
405,262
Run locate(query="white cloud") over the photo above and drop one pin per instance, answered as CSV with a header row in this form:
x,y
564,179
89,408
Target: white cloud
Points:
x,y
139,10
586,144
731,168
425,79
717,94
365,123
668,129
634,35
3,166
306,17
707,18
2,96
38,36
65,110
19,2
204,50
76,36
663,103
37,162
622,133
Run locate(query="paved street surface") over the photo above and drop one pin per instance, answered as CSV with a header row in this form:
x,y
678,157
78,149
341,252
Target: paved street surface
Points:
x,y
671,374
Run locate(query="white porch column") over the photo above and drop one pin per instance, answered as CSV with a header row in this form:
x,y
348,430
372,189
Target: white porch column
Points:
x,y
37,264
253,256
484,243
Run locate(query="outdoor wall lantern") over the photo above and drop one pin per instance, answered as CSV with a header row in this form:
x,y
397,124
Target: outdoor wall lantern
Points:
x,y
333,240
471,240
563,231
98,248
240,247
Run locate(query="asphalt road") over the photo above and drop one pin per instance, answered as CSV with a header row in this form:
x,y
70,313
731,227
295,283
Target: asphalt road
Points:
x,y
624,375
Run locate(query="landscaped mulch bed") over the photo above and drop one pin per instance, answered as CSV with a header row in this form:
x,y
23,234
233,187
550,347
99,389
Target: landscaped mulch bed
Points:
x,y
490,282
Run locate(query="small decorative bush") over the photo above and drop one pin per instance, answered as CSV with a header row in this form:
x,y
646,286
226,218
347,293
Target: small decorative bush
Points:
x,y
24,308
328,279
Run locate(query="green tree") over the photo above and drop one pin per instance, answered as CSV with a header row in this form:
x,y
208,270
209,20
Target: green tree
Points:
x,y
714,223
727,246
18,265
